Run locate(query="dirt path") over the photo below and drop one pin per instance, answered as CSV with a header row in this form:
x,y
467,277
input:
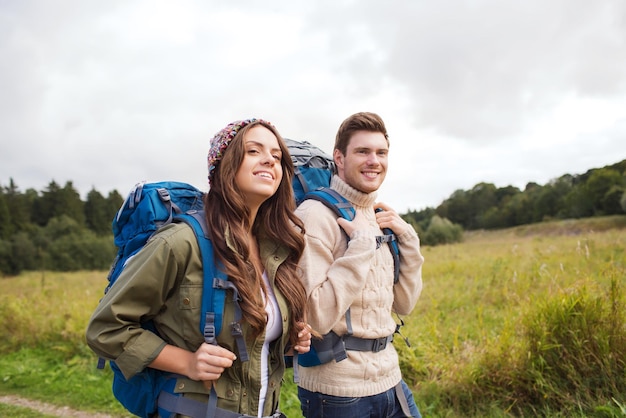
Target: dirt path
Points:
x,y
49,409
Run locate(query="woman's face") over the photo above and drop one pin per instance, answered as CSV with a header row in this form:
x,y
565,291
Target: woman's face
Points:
x,y
260,172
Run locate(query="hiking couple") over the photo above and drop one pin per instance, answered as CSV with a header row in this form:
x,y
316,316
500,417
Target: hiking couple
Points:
x,y
298,273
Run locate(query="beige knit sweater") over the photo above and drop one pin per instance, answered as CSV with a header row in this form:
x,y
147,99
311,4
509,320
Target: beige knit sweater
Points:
x,y
339,275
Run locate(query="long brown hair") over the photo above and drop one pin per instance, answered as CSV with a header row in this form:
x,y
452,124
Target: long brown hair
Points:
x,y
226,209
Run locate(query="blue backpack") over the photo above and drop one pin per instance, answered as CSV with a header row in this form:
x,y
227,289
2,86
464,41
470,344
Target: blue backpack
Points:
x,y
149,207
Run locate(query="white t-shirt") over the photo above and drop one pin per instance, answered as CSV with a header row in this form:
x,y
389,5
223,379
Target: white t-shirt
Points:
x,y
272,332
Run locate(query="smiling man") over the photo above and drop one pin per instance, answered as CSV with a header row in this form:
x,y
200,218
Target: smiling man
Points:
x,y
351,285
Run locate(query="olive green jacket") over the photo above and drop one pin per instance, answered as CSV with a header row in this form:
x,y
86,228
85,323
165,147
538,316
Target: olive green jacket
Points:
x,y
163,282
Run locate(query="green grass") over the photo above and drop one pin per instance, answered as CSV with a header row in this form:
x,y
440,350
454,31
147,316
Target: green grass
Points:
x,y
20,412
520,322
60,376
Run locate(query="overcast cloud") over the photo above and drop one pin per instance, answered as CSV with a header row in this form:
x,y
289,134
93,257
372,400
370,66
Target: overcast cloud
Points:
x,y
105,94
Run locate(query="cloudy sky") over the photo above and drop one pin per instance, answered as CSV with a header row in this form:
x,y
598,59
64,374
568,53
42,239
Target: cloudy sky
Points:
x,y
108,93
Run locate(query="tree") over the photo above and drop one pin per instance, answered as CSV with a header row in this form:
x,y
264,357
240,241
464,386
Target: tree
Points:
x,y
114,200
97,213
482,198
56,201
494,218
598,186
19,205
6,228
550,201
611,202
456,208
71,204
578,203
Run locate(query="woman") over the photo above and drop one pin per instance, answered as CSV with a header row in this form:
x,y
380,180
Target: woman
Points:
x,y
257,242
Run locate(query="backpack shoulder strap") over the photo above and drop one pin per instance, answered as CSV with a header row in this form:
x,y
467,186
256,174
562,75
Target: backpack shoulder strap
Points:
x,y
342,207
390,239
214,289
334,201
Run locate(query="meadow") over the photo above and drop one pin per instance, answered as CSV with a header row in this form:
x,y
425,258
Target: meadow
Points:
x,y
527,321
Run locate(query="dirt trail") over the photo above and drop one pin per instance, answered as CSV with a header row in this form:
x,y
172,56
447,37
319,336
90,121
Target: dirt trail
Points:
x,y
49,409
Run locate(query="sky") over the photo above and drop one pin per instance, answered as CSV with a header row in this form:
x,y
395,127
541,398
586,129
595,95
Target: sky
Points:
x,y
109,93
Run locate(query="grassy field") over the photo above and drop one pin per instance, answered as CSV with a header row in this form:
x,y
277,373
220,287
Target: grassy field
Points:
x,y
520,322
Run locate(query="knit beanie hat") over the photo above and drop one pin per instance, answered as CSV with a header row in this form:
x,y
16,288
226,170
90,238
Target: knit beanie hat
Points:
x,y
222,139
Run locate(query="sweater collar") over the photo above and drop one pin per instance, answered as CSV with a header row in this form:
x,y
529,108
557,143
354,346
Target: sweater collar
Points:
x,y
357,198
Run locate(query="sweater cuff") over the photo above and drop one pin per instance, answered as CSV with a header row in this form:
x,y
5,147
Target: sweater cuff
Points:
x,y
407,235
363,234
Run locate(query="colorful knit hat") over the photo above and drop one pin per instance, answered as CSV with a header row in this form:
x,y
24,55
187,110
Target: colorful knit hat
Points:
x,y
220,141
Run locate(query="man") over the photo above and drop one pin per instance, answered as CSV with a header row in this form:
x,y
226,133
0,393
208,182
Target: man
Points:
x,y
348,273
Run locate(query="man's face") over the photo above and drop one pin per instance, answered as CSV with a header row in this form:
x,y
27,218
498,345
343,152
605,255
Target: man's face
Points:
x,y
365,164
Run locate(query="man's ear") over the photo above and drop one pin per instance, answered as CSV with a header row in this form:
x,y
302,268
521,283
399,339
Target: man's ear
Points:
x,y
338,158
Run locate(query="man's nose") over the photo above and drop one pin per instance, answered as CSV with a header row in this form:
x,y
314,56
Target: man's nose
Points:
x,y
372,158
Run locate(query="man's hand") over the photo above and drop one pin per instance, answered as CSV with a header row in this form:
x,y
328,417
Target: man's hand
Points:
x,y
388,218
358,223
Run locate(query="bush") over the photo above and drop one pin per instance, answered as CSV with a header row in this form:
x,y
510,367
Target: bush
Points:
x,y
62,245
442,231
83,251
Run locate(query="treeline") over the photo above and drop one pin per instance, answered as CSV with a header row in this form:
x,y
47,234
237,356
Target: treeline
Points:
x,y
598,192
55,229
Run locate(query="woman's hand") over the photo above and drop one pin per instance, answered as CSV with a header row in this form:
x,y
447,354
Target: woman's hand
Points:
x,y
303,345
206,364
209,362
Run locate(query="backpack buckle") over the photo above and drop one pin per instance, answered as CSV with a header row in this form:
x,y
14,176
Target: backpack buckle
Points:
x,y
209,328
380,344
235,329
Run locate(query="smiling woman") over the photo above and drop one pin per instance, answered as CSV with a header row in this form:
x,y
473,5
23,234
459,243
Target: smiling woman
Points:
x,y
257,241
260,172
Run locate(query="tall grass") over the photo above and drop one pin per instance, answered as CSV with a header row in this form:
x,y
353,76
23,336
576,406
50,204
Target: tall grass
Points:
x,y
506,314
41,307
521,322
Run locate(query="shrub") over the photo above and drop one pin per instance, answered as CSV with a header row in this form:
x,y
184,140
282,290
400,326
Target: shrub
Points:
x,y
442,231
